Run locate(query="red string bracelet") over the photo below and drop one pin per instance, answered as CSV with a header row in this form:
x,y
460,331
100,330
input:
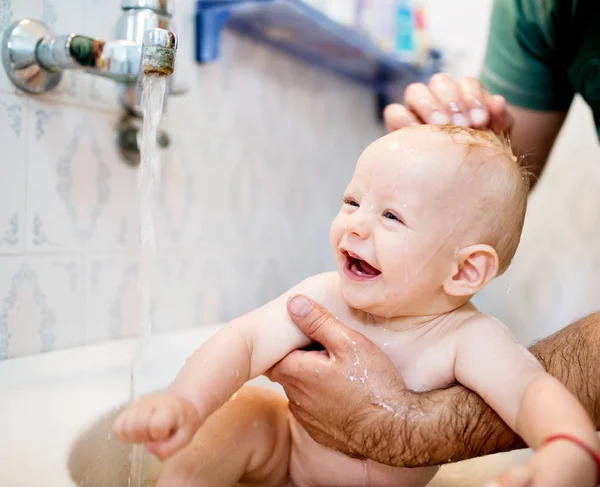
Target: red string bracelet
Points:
x,y
581,444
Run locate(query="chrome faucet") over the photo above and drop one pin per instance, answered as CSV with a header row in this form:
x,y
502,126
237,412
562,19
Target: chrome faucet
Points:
x,y
34,58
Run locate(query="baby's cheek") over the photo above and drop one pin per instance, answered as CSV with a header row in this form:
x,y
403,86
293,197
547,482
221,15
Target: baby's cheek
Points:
x,y
335,233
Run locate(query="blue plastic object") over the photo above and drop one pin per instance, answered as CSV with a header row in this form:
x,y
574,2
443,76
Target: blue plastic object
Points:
x,y
299,30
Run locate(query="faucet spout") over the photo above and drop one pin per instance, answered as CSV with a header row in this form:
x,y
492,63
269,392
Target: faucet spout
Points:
x,y
158,52
34,58
121,60
117,60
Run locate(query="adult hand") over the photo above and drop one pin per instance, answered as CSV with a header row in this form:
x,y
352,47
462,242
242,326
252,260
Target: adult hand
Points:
x,y
342,395
442,100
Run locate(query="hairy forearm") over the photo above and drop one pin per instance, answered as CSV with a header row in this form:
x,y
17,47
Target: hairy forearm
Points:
x,y
436,427
572,355
455,424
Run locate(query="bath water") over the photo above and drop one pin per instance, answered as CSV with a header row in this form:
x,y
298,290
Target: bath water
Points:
x,y
153,92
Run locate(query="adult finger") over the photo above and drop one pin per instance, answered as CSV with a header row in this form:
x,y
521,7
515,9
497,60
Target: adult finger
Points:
x,y
444,88
320,325
473,95
419,100
295,365
397,116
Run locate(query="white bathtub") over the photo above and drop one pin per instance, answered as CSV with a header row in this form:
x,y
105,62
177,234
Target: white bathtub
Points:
x,y
56,412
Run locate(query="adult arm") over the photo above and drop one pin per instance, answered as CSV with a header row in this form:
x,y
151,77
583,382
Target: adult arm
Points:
x,y
414,429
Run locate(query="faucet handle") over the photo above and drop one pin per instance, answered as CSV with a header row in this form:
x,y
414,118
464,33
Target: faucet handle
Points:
x,y
162,7
19,46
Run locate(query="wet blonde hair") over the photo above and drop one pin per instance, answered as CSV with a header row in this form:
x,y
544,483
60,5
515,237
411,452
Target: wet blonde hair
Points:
x,y
507,186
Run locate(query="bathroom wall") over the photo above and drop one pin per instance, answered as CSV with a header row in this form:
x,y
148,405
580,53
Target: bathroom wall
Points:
x,y
261,149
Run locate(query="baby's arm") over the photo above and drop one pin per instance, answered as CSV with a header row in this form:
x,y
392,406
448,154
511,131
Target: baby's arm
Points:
x,y
490,362
244,349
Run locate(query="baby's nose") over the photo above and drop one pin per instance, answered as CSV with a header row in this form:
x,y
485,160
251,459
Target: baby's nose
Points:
x,y
358,225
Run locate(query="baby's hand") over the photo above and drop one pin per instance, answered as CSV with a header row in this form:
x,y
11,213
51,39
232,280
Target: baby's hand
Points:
x,y
163,422
559,464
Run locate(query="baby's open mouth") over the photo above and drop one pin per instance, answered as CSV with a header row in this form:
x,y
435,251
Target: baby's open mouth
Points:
x,y
359,268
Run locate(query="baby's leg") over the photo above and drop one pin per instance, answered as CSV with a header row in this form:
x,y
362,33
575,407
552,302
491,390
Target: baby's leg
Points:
x,y
247,441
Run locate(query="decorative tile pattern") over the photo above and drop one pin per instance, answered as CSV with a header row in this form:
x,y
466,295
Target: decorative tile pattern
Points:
x,y
6,14
42,119
11,235
14,112
12,172
83,196
112,299
86,226
40,305
262,148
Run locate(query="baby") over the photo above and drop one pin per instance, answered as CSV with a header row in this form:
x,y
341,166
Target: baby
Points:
x,y
431,215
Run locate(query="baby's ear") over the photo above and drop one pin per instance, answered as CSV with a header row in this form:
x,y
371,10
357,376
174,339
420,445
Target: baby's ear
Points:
x,y
475,266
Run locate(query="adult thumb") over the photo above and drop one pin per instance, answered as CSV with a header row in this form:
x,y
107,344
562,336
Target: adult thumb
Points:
x,y
319,324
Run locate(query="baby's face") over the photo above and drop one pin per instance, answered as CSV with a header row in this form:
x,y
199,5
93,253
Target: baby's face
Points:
x,y
403,216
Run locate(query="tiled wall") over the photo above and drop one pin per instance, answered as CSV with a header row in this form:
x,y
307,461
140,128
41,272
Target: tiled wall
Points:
x,y
261,149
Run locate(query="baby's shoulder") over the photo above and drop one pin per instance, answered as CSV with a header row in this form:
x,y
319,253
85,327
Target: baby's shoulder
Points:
x,y
477,325
324,289
319,286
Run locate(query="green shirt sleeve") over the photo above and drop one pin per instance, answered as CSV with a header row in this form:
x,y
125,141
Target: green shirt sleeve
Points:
x,y
523,62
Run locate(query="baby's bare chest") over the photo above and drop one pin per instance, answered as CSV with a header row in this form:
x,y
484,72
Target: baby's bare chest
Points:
x,y
424,362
